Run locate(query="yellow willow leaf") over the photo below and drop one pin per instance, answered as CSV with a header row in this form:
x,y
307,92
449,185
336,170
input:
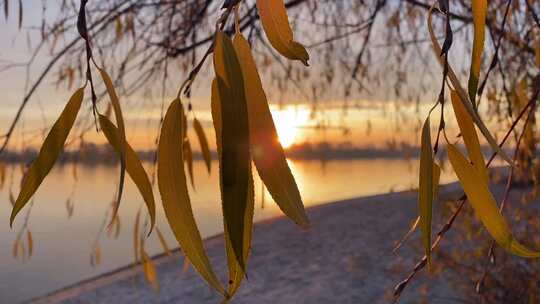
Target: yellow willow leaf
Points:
x,y
175,197
136,239
150,273
537,53
163,242
188,157
30,241
205,150
121,135
425,189
468,132
236,272
461,92
133,166
484,204
2,175
479,11
268,155
276,26
235,160
49,152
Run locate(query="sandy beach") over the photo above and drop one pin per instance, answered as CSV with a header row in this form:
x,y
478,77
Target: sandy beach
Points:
x,y
346,257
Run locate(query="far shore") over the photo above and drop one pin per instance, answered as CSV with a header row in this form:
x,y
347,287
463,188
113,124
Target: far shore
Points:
x,y
345,257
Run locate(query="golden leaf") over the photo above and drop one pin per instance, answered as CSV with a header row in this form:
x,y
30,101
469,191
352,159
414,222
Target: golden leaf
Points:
x,y
235,160
479,11
468,132
188,158
121,135
133,166
49,152
267,153
236,272
175,196
275,22
484,204
136,237
205,150
150,273
425,189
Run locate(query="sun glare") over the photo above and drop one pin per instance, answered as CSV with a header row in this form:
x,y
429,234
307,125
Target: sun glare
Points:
x,y
288,120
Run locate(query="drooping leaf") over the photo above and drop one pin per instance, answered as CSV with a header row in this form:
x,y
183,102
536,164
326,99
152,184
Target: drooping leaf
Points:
x,y
236,272
235,159
275,22
175,197
163,242
425,189
479,11
267,153
484,204
121,135
203,142
49,152
466,126
464,97
136,237
149,269
133,166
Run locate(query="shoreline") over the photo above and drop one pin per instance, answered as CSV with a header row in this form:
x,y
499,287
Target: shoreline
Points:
x,y
129,275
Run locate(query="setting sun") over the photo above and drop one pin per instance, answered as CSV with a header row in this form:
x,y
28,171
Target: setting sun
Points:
x,y
288,120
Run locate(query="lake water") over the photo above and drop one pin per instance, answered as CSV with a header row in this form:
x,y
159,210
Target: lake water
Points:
x,y
62,245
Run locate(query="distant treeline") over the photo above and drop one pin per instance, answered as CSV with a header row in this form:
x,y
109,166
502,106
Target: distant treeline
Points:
x,y
102,154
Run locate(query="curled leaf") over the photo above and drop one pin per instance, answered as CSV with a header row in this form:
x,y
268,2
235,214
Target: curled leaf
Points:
x,y
425,189
484,204
276,26
205,150
235,160
461,92
133,166
267,153
49,152
174,194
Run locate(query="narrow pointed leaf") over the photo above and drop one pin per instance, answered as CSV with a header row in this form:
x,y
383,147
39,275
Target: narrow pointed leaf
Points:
x,y
133,165
236,272
188,157
235,160
276,26
49,152
149,269
425,189
136,237
174,194
479,11
121,135
462,94
203,142
268,155
484,204
468,132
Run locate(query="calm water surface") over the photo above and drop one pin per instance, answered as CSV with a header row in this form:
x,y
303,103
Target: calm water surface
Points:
x,y
62,245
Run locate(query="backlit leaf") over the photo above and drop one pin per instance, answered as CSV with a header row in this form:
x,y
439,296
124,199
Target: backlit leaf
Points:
x,y
479,11
236,272
136,237
133,165
468,132
149,269
275,22
121,135
235,160
175,197
425,189
267,153
49,152
484,204
461,92
205,150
